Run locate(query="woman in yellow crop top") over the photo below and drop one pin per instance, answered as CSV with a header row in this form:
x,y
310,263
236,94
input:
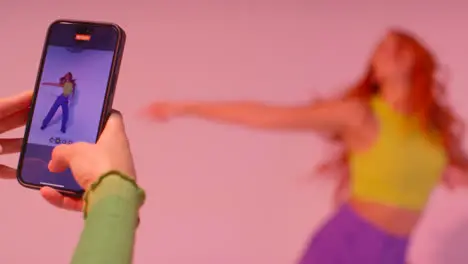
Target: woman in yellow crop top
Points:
x,y
397,136
68,85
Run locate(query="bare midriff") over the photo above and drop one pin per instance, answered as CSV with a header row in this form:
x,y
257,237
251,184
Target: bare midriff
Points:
x,y
390,219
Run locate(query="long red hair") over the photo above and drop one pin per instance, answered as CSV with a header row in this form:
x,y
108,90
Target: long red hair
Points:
x,y
427,103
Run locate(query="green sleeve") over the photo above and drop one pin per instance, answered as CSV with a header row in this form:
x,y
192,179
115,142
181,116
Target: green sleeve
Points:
x,y
109,230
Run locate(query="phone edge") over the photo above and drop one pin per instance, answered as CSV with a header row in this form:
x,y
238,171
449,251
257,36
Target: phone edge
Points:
x,y
108,101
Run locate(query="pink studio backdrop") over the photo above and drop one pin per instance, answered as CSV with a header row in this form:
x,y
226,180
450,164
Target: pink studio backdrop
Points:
x,y
218,193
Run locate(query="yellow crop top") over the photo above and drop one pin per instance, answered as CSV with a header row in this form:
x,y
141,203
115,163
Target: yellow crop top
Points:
x,y
67,88
403,165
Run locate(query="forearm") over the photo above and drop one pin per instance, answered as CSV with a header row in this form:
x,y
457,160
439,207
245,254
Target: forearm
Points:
x,y
109,231
253,114
51,84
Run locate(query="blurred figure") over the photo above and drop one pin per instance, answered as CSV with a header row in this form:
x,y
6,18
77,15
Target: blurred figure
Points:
x,y
398,139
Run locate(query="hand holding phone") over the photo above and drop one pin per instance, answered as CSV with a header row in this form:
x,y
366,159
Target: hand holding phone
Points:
x,y
88,162
72,98
13,114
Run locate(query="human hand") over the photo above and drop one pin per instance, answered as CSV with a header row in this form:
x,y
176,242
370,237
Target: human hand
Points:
x,y
13,114
164,111
88,162
454,177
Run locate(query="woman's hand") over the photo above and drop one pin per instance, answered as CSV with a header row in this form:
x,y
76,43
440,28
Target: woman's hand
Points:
x,y
88,162
13,114
455,177
164,111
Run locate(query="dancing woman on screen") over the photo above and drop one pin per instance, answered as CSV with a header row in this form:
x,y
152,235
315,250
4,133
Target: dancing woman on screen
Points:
x,y
398,139
68,84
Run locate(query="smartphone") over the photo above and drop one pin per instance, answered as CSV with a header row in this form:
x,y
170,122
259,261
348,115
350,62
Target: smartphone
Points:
x,y
72,97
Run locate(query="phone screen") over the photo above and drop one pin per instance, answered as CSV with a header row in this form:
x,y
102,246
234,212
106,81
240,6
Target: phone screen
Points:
x,y
70,98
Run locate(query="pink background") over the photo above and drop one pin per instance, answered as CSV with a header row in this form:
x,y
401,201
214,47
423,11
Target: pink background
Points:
x,y
217,193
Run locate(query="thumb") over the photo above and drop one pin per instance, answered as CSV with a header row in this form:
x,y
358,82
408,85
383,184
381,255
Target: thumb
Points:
x,y
114,130
61,158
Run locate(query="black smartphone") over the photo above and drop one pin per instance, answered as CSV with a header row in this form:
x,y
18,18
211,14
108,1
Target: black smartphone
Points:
x,y
72,98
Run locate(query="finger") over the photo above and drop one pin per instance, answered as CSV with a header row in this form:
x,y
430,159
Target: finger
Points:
x,y
114,131
63,155
15,103
57,199
7,172
14,120
52,196
74,204
10,145
60,158
114,142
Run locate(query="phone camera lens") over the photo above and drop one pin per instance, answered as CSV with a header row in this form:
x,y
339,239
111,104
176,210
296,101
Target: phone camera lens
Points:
x,y
84,30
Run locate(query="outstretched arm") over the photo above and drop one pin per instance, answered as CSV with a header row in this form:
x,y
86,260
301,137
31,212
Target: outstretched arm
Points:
x,y
52,84
324,116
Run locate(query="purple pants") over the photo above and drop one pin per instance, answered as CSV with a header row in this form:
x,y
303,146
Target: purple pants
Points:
x,y
61,101
347,238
